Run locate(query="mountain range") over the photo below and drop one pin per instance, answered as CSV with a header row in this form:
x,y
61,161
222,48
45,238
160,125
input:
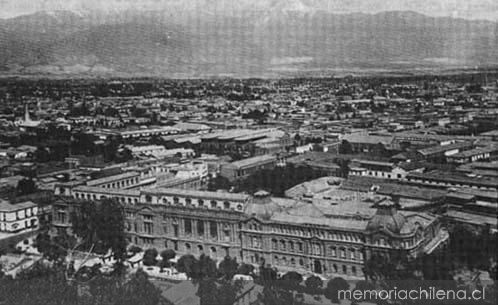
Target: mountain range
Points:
x,y
287,37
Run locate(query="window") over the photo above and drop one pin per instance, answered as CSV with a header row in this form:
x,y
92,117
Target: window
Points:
x,y
274,244
300,246
226,205
175,245
343,253
188,201
175,230
344,269
200,202
333,251
61,217
282,245
293,262
291,246
176,200
148,228
147,217
200,227
148,198
187,247
213,204
188,226
353,270
213,229
301,262
165,229
352,253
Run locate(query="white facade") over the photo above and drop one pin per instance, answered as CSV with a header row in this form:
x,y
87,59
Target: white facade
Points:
x,y
18,217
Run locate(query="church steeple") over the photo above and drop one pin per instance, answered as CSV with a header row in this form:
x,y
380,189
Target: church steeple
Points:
x,y
27,118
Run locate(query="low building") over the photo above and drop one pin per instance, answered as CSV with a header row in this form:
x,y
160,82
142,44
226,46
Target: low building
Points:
x,y
377,169
473,155
19,217
243,168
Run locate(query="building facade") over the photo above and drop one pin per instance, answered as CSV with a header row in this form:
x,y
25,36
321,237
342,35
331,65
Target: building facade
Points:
x,y
288,234
20,217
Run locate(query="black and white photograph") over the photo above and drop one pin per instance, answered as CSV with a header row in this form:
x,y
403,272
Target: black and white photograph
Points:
x,y
248,152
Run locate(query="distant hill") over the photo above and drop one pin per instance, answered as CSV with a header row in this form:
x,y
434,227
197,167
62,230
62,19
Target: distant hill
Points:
x,y
281,38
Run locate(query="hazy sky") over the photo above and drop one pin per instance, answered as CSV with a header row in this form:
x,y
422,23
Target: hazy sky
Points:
x,y
470,9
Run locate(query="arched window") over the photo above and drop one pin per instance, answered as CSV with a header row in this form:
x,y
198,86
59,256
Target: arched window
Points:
x,y
200,248
301,262
214,204
333,251
282,245
274,244
239,207
148,198
291,246
344,269
352,253
176,200
293,262
353,270
187,247
200,202
188,201
226,205
334,268
165,200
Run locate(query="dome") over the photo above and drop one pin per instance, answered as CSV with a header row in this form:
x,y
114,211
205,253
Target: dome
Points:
x,y
387,217
261,206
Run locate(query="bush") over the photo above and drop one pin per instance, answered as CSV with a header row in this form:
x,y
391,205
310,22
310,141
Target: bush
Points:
x,y
135,249
314,285
150,257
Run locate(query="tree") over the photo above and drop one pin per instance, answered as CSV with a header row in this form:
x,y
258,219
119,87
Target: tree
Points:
x,y
55,248
291,280
246,269
272,295
150,257
313,284
41,155
25,187
139,290
333,288
101,227
187,264
219,183
345,148
206,268
228,267
166,255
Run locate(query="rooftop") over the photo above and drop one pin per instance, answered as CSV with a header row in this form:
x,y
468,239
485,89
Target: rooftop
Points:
x,y
197,194
443,148
112,178
252,161
6,206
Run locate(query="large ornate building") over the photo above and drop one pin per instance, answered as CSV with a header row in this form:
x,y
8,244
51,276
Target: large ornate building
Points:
x,y
331,237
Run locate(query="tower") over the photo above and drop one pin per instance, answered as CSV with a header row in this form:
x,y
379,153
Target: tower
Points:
x,y
26,113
